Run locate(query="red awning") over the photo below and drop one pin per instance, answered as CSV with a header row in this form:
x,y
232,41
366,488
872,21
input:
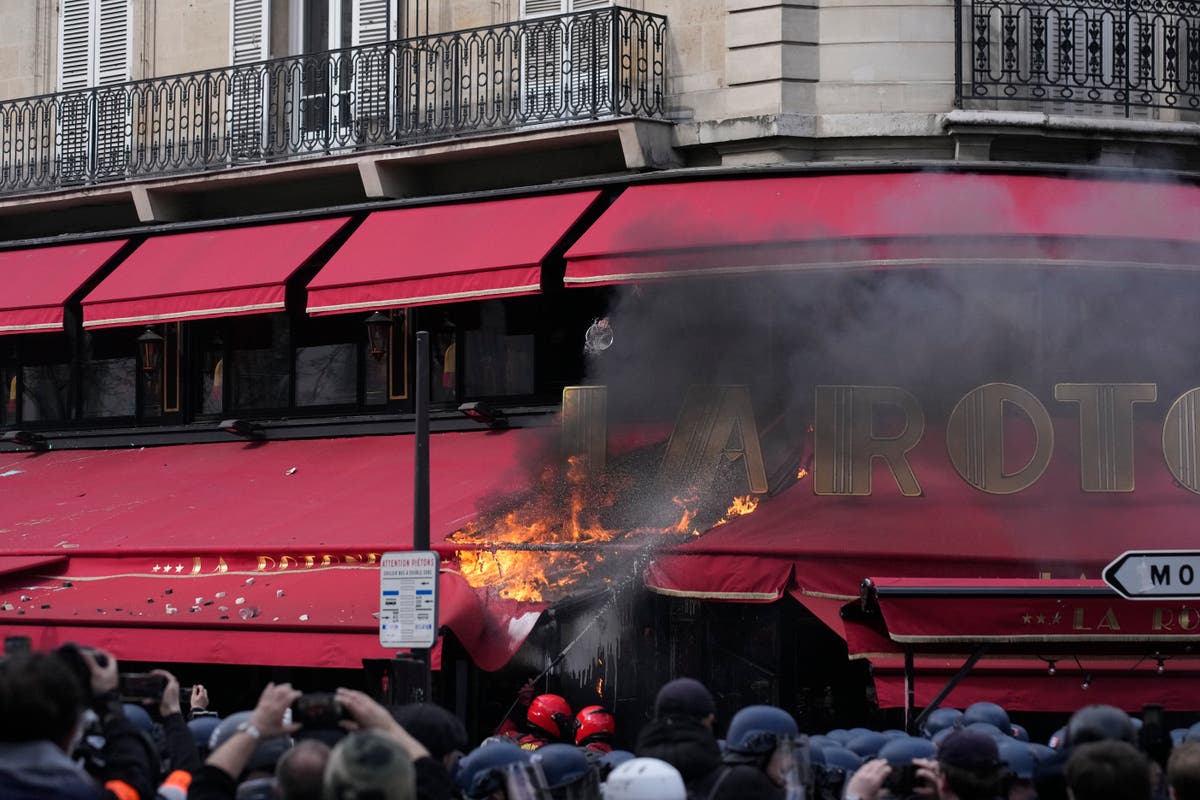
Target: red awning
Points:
x,y
37,283
444,254
1024,684
894,219
206,274
270,550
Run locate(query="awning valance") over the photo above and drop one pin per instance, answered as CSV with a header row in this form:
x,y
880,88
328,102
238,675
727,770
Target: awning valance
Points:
x,y
729,227
206,274
445,254
245,545
38,282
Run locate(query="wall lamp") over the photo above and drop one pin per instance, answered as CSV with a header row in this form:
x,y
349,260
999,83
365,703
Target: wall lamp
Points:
x,y
34,441
485,415
379,331
151,346
243,428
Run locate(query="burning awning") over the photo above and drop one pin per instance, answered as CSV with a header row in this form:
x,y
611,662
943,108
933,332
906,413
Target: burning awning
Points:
x,y
38,282
268,551
446,254
205,274
902,219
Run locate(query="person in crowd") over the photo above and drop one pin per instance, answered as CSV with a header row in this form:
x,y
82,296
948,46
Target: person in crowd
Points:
x,y
1183,772
967,767
1109,769
179,748
370,763
644,779
681,734
1096,723
442,733
595,729
568,773
548,721
300,771
483,773
759,753
43,697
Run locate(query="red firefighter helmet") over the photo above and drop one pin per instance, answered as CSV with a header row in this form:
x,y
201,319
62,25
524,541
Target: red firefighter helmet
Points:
x,y
551,714
594,725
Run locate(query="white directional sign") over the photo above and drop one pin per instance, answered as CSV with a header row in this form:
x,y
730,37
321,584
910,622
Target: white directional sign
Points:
x,y
408,604
1155,574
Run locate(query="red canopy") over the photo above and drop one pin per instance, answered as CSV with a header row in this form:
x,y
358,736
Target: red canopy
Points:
x,y
445,254
899,219
38,282
263,553
206,274
819,548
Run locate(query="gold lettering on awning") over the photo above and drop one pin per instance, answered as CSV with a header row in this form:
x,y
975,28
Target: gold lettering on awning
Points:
x,y
1106,431
845,443
975,438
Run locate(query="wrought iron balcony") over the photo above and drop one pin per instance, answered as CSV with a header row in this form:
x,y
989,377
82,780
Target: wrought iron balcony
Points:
x,y
1131,58
599,64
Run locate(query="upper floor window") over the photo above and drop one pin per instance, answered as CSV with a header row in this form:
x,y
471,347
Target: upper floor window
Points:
x,y
565,63
94,43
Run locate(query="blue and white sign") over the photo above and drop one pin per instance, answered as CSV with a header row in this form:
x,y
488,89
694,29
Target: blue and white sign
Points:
x,y
408,603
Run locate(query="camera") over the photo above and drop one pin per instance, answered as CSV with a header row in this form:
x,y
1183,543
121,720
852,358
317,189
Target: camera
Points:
x,y
902,780
140,686
318,710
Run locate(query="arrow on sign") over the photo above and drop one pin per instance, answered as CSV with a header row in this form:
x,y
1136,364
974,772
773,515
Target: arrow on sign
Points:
x,y
1155,574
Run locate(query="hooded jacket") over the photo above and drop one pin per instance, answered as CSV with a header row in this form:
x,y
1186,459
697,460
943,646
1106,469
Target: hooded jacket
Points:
x,y
683,742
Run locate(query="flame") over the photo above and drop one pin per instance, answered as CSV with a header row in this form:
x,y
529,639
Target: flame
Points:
x,y
600,687
802,474
538,549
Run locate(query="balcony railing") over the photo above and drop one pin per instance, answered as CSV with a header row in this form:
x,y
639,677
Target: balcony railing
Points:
x,y
595,65
1132,58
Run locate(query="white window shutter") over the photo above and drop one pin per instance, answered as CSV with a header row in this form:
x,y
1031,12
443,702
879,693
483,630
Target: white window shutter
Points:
x,y
588,5
74,45
374,22
114,40
542,8
249,24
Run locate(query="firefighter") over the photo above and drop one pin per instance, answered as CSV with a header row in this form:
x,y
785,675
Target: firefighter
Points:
x,y
595,729
548,721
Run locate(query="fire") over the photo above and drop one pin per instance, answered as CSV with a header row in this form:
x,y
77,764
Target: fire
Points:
x,y
566,529
742,506
802,474
600,687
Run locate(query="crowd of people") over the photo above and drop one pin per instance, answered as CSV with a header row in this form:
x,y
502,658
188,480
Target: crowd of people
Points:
x,y
66,733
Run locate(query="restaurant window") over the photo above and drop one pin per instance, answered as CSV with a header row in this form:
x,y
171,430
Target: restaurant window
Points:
x,y
500,355
327,360
108,373
261,367
208,367
8,388
45,378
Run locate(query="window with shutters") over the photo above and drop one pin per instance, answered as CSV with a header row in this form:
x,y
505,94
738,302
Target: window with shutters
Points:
x,y
93,125
566,61
343,98
249,90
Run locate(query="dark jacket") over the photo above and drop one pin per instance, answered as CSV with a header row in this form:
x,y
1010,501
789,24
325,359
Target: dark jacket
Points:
x,y
181,747
684,743
211,783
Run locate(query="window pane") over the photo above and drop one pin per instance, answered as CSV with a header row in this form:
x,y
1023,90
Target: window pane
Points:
x,y
109,389
444,370
261,362
47,393
497,364
8,393
326,374
108,373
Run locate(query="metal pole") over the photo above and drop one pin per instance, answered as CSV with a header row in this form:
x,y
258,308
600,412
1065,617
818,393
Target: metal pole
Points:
x,y
421,486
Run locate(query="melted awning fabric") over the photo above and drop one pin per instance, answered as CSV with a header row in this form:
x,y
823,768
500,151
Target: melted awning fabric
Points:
x,y
263,553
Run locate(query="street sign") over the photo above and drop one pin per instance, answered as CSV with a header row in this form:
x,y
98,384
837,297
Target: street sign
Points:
x,y
1155,574
408,605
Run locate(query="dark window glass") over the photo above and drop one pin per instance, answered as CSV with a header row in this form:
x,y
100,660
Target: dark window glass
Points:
x,y
8,393
261,362
498,363
443,352
208,367
45,383
108,373
327,359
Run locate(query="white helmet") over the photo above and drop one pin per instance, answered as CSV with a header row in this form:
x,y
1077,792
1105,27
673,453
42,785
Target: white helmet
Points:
x,y
644,779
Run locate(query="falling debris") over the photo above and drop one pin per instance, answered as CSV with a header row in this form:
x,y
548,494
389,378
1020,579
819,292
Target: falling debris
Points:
x,y
249,612
219,595
249,581
25,598
239,601
172,609
279,592
304,617
291,471
11,472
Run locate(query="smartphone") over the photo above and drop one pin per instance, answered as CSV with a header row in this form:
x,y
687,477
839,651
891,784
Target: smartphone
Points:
x,y
17,645
138,686
317,710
